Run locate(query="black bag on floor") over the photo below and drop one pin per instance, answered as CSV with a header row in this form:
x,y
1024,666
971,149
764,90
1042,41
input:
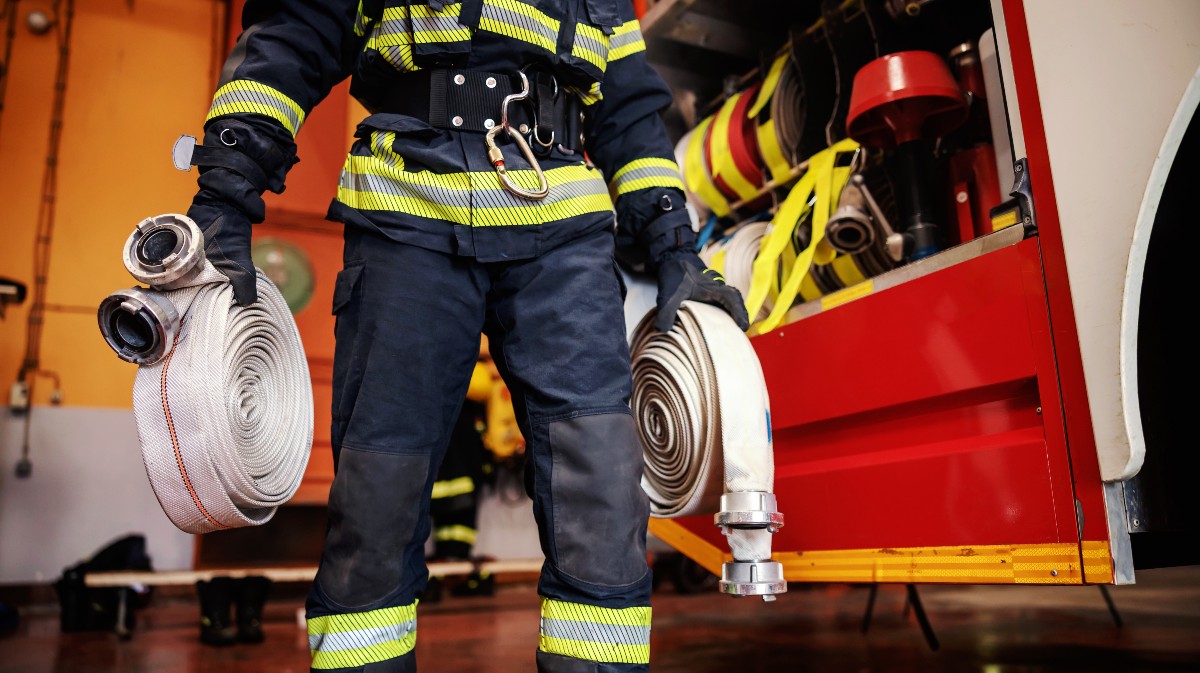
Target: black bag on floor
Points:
x,y
84,608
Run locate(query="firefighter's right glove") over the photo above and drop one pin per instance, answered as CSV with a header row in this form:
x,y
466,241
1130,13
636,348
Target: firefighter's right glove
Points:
x,y
682,276
248,158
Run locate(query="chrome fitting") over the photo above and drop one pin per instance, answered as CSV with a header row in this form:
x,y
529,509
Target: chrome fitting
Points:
x,y
749,510
753,578
165,252
140,325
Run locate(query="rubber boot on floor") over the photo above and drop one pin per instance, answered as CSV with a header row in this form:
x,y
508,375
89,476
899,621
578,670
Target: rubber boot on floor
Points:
x,y
216,600
252,593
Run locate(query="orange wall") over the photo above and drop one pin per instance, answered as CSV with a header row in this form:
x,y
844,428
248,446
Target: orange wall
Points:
x,y
141,74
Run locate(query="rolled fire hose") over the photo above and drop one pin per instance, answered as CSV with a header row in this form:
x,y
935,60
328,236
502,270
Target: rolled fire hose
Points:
x,y
222,397
733,257
704,420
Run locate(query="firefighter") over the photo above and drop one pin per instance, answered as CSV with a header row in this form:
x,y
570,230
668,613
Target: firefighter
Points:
x,y
478,197
455,500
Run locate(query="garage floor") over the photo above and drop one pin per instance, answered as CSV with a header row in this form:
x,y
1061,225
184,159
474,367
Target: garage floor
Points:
x,y
812,628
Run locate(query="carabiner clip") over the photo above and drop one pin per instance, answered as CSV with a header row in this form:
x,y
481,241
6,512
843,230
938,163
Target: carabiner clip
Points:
x,y
496,157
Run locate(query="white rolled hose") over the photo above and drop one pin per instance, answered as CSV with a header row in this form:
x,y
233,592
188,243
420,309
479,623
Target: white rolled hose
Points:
x,y
703,415
224,406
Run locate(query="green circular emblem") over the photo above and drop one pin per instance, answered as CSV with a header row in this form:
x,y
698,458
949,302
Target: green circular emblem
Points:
x,y
288,266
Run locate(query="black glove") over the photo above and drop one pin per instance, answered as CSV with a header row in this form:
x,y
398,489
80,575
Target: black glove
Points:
x,y
250,159
227,245
682,276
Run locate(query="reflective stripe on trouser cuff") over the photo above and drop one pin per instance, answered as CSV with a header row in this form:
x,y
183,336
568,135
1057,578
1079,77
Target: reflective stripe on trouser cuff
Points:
x,y
471,198
243,95
645,173
455,533
453,487
360,638
595,634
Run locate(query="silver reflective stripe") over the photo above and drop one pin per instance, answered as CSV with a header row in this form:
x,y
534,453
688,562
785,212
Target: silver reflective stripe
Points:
x,y
431,23
624,39
648,172
485,197
518,20
352,640
592,44
616,634
245,96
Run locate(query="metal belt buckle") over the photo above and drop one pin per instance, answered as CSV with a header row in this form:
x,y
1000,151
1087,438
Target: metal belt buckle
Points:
x,y
497,157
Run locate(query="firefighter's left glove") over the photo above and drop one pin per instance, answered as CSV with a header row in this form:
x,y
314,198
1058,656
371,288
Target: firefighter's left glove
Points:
x,y
682,276
244,160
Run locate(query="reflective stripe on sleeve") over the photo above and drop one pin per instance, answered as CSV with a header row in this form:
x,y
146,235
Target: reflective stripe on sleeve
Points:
x,y
243,95
591,44
626,41
360,638
595,634
645,173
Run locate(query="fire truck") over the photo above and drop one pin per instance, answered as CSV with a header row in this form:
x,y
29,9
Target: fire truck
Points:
x,y
1003,399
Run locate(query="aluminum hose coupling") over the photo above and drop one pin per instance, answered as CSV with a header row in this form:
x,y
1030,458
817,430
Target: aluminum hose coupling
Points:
x,y
165,252
751,511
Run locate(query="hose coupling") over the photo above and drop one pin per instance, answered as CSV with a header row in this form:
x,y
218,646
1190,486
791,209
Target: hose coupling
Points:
x,y
753,578
140,325
165,252
749,510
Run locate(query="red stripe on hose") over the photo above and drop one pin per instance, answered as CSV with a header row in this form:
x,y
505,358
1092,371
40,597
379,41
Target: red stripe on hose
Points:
x,y
175,439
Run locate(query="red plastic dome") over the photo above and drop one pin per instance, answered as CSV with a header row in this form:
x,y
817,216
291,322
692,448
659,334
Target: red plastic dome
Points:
x,y
904,96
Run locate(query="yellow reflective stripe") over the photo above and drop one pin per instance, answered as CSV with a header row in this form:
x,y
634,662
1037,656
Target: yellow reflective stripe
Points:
x,y
327,659
361,21
520,21
455,533
453,487
243,95
428,26
626,41
590,44
356,621
589,97
474,198
696,172
381,147
646,173
578,612
724,167
768,87
603,652
768,145
594,633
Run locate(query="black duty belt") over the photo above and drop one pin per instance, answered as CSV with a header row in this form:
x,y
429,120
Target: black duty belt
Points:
x,y
464,100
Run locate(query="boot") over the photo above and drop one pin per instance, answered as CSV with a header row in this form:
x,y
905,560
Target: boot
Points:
x,y
216,599
252,593
478,583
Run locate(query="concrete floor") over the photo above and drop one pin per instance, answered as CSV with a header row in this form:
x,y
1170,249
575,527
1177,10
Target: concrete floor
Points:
x,y
812,628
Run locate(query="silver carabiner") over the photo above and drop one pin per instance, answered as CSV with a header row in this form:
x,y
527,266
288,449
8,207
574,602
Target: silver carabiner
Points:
x,y
496,157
